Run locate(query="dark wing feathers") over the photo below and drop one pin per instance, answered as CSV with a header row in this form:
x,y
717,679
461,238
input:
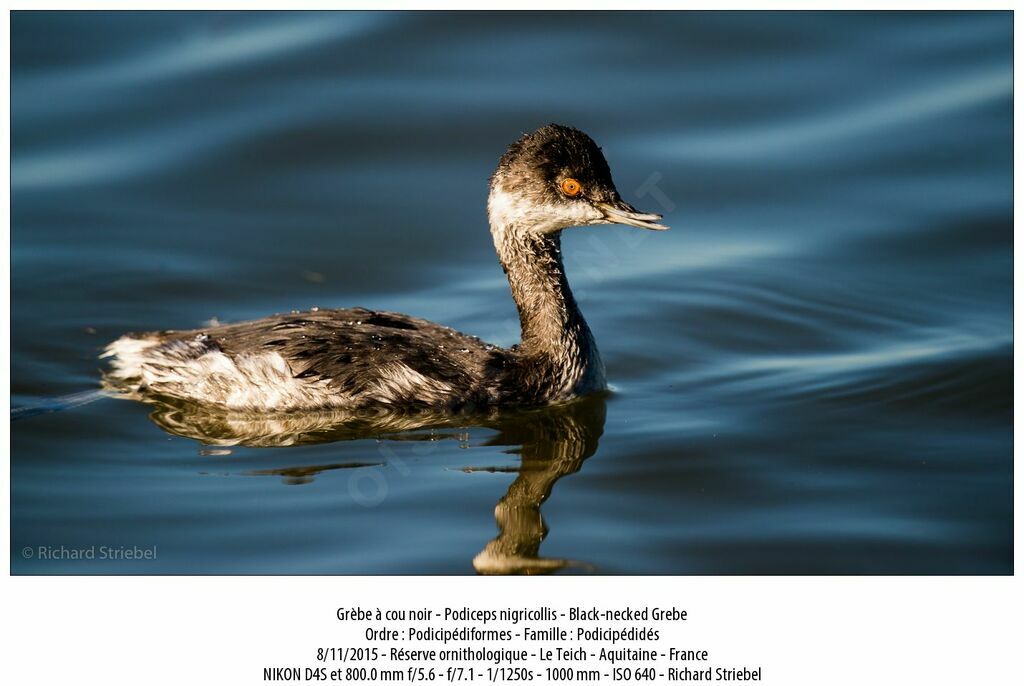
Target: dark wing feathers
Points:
x,y
350,347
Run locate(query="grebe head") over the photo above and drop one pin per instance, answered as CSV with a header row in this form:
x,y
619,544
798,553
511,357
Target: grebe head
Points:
x,y
554,178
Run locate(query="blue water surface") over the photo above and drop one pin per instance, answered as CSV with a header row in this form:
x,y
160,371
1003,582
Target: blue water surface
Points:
x,y
811,372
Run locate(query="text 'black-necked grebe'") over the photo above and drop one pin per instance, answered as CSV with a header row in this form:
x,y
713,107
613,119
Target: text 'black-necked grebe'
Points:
x,y
547,181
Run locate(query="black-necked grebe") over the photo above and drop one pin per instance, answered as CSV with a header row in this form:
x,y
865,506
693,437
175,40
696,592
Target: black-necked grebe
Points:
x,y
548,180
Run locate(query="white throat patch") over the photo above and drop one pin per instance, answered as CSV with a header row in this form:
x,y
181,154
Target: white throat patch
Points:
x,y
506,209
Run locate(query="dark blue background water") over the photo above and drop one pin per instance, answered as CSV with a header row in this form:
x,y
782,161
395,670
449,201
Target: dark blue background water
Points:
x,y
811,371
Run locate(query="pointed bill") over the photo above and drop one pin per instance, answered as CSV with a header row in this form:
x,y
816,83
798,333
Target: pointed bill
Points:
x,y
621,212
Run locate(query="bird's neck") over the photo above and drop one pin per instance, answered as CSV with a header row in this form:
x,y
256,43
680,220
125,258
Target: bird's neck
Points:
x,y
555,336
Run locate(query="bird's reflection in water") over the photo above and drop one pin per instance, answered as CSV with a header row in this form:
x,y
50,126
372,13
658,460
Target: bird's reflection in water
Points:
x,y
552,442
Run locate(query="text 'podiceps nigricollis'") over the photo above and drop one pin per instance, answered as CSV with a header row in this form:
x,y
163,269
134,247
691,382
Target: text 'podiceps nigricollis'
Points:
x,y
548,180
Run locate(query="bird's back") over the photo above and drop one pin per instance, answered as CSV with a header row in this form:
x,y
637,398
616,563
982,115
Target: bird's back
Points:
x,y
316,359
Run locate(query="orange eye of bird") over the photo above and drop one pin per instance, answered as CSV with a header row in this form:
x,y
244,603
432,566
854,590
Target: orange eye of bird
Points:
x,y
571,187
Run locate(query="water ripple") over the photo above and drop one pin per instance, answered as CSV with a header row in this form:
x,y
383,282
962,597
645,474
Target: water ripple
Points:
x,y
207,49
793,136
